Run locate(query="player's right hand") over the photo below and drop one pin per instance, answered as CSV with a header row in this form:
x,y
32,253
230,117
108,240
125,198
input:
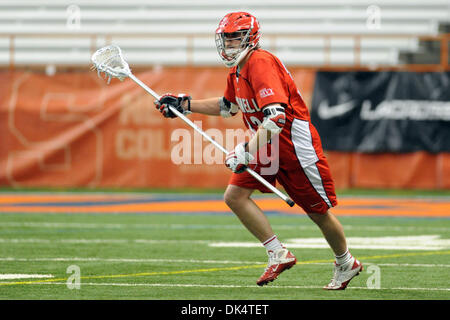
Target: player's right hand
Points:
x,y
238,159
174,101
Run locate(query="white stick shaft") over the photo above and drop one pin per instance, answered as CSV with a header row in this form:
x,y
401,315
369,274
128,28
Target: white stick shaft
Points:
x,y
144,86
180,115
217,145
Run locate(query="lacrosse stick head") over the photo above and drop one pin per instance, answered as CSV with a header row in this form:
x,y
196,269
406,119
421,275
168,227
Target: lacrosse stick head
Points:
x,y
110,61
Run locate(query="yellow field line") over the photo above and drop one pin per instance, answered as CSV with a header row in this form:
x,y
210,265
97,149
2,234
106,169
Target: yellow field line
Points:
x,y
399,255
136,274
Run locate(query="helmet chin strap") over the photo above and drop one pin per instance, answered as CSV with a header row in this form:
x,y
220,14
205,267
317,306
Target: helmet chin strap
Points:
x,y
240,57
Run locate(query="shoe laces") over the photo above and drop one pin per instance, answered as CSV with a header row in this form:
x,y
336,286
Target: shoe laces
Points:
x,y
337,268
273,259
274,256
271,255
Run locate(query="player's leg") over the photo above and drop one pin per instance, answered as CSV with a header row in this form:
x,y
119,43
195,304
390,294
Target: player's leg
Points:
x,y
332,230
346,266
252,217
313,189
239,201
307,179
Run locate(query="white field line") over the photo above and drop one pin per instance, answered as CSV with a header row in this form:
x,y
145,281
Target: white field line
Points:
x,y
121,260
204,226
418,242
9,276
223,286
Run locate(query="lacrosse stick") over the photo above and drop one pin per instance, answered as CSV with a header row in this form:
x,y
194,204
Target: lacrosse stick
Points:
x,y
110,61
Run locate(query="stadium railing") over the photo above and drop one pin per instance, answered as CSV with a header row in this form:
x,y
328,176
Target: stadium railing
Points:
x,y
316,51
313,33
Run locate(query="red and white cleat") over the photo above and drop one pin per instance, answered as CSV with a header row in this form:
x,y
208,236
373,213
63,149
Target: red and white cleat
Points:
x,y
343,274
279,261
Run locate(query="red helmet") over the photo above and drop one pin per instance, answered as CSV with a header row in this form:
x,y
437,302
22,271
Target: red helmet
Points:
x,y
237,34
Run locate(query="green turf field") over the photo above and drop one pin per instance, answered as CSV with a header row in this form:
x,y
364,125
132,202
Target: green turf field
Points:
x,y
180,256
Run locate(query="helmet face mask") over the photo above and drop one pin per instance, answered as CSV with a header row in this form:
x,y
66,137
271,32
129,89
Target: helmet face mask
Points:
x,y
231,46
237,34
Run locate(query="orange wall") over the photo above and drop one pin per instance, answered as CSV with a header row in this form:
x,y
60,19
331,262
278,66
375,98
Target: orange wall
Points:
x,y
418,170
73,130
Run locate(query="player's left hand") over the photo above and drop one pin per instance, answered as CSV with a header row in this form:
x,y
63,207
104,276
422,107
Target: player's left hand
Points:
x,y
238,159
177,102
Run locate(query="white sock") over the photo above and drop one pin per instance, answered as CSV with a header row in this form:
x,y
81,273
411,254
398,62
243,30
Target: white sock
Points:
x,y
343,258
273,244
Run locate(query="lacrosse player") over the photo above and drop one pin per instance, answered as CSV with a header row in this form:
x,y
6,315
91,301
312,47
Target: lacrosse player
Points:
x,y
260,86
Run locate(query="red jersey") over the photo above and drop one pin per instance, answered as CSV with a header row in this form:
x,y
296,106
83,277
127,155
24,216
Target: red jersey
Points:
x,y
303,170
265,80
262,81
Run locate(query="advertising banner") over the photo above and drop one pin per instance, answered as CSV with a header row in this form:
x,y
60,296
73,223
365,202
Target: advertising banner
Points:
x,y
374,112
74,130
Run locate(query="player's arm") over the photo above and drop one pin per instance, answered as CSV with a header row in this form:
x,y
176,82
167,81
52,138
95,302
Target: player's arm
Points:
x,y
273,123
218,106
183,103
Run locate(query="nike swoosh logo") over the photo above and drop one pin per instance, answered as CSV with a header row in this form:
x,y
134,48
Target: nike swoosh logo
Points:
x,y
327,112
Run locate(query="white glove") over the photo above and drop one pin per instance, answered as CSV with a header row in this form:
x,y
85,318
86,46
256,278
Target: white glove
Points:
x,y
238,159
